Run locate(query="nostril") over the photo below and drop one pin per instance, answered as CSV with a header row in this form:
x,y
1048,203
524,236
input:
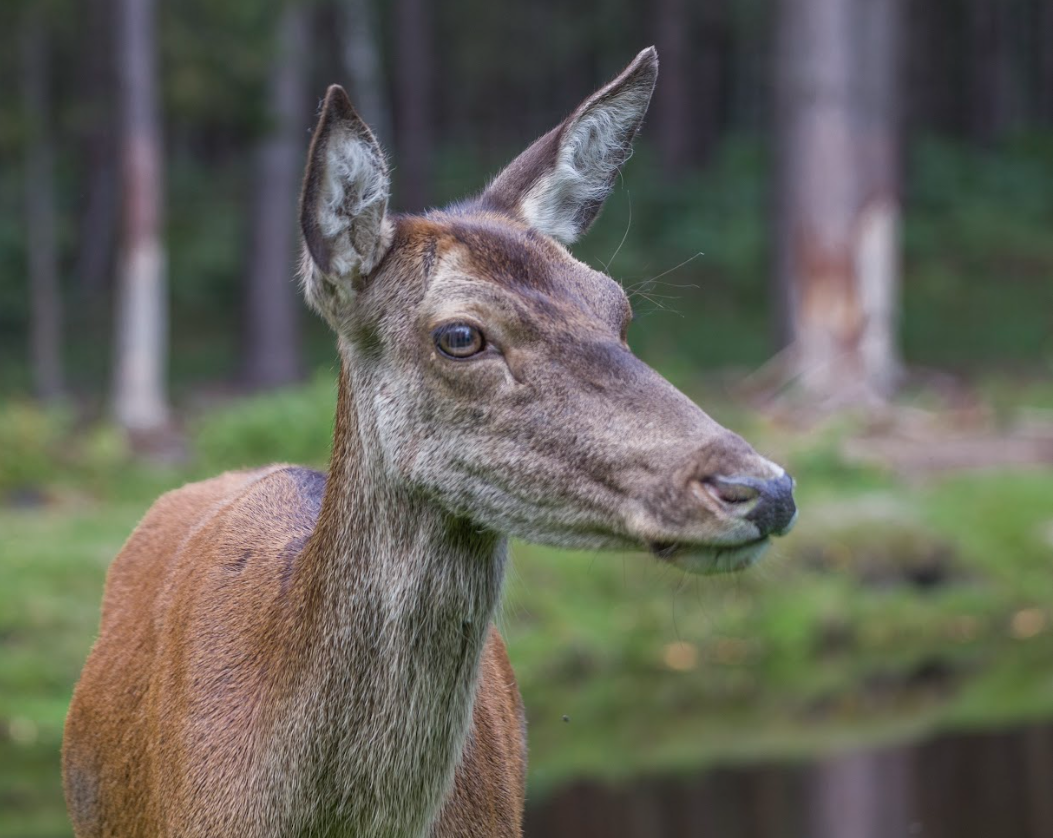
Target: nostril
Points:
x,y
767,503
734,490
776,511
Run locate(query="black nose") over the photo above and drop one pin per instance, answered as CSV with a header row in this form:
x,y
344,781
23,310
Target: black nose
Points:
x,y
769,502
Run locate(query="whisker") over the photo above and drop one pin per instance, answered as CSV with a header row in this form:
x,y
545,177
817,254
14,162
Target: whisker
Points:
x,y
677,267
654,282
652,296
617,250
672,609
649,299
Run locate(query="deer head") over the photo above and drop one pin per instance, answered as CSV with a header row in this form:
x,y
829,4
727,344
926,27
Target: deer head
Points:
x,y
490,368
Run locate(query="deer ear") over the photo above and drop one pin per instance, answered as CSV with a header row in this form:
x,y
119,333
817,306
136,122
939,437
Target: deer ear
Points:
x,y
344,200
559,184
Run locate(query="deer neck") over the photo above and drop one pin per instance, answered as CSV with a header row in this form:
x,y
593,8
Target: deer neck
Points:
x,y
402,595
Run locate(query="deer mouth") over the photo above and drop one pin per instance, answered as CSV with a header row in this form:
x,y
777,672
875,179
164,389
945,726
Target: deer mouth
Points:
x,y
709,560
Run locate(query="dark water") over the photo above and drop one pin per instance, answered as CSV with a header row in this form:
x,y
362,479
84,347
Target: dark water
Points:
x,y
975,785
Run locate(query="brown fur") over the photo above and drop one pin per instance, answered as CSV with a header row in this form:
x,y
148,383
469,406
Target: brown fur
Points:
x,y
125,757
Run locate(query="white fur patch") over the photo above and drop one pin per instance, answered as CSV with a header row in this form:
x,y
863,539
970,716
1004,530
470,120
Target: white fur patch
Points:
x,y
592,151
595,144
354,194
350,213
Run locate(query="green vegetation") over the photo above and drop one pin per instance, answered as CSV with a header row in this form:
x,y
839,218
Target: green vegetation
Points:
x,y
895,607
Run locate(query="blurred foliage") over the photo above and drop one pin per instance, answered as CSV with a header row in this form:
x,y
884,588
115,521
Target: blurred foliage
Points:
x,y
44,450
978,285
216,57
283,426
30,439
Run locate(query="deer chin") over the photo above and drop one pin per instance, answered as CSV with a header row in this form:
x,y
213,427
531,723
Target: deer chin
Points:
x,y
710,560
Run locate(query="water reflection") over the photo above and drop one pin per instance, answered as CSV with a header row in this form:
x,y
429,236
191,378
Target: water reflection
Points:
x,y
976,785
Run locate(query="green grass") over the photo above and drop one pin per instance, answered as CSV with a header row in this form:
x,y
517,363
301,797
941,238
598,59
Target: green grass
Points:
x,y
836,638
52,564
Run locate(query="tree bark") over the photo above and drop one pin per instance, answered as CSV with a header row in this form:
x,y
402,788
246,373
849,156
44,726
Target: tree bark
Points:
x,y
413,27
673,99
45,326
878,45
139,396
837,220
272,334
99,214
363,65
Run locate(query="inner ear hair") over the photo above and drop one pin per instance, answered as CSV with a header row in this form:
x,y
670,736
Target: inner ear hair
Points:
x,y
559,184
345,191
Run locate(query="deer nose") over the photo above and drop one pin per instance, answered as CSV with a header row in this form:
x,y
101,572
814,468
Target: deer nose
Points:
x,y
767,503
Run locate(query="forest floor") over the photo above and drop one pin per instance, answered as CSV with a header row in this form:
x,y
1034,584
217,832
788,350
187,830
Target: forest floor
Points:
x,y
914,594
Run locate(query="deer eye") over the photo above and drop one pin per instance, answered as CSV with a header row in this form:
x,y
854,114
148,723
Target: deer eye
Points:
x,y
459,340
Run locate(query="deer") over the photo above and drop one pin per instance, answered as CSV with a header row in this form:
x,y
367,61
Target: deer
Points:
x,y
283,652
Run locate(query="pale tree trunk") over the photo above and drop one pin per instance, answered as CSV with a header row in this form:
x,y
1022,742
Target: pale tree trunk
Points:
x,y
414,95
879,32
272,333
139,398
821,193
364,67
45,325
837,234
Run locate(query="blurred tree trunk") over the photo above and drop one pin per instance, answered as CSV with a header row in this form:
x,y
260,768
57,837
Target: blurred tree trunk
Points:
x,y
1045,59
837,219
878,46
991,64
674,97
709,71
862,795
271,352
1038,775
787,182
931,88
98,221
413,75
139,397
45,326
364,67
691,40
